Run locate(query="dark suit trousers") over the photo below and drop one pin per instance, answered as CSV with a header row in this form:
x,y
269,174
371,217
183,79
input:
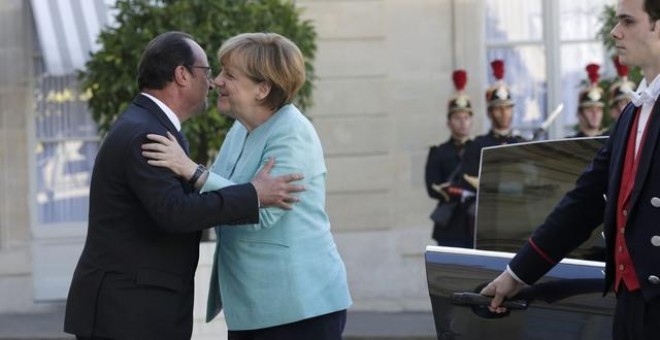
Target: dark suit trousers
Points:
x,y
323,327
634,317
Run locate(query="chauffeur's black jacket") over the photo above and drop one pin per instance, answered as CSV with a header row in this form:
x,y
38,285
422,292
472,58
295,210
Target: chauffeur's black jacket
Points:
x,y
134,279
594,201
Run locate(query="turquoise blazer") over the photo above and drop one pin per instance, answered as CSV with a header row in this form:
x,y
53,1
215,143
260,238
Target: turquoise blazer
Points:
x,y
287,267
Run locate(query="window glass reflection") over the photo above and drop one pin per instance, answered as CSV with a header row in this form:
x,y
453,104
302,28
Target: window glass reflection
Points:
x,y
65,148
519,185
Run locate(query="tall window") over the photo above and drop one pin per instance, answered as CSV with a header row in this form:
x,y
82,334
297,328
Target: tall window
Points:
x,y
65,136
546,45
66,144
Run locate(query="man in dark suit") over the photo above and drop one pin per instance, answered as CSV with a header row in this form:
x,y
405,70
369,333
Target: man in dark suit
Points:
x,y
135,277
450,229
625,172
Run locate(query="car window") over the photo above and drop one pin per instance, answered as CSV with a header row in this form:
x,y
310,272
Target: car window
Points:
x,y
519,184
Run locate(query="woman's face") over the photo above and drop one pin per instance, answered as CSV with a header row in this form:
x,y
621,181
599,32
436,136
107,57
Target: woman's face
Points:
x,y
238,95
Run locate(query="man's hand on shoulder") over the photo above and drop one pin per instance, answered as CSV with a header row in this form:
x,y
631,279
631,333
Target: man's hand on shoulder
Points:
x,y
276,191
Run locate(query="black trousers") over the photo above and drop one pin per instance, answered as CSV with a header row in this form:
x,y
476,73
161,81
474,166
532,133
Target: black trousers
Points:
x,y
634,317
323,327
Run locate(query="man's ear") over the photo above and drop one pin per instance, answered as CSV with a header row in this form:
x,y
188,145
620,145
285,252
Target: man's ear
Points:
x,y
181,75
655,26
264,90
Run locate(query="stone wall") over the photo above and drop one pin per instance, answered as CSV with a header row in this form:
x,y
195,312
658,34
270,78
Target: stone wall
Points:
x,y
15,101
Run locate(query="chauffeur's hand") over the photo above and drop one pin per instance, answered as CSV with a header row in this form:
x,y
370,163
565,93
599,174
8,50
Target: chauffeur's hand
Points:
x,y
504,286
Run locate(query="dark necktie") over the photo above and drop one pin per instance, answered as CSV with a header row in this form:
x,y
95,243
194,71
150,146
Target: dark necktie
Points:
x,y
184,143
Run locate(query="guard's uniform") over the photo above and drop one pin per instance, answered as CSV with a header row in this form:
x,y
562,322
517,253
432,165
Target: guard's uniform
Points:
x,y
441,167
442,161
472,156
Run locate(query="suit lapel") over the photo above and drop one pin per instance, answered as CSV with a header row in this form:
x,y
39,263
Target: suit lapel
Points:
x,y
153,108
647,152
619,145
618,141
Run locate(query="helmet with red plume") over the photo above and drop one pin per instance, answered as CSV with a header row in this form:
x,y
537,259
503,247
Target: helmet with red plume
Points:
x,y
498,94
460,101
592,94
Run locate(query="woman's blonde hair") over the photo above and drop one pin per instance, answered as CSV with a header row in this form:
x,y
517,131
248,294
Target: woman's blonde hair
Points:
x,y
267,57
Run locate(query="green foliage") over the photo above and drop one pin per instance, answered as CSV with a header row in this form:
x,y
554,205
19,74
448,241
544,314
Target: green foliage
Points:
x,y
608,20
110,74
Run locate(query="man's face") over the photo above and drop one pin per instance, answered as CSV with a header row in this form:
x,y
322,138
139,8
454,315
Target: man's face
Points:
x,y
500,116
199,89
459,123
637,40
590,117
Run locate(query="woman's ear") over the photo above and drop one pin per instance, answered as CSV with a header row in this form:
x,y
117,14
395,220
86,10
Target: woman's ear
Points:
x,y
264,90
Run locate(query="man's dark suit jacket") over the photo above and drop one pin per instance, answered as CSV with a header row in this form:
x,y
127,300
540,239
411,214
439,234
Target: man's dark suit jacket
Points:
x,y
134,279
594,201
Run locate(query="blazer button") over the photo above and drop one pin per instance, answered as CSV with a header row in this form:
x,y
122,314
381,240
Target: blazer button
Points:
x,y
605,197
654,279
655,240
655,202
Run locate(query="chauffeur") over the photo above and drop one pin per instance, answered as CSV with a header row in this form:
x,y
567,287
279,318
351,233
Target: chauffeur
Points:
x,y
627,171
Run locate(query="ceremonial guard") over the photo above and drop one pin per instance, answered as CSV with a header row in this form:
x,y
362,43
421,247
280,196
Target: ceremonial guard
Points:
x,y
449,217
500,114
618,92
590,107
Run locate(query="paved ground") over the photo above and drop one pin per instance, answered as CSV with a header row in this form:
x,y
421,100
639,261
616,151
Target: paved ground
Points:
x,y
360,326
389,326
38,326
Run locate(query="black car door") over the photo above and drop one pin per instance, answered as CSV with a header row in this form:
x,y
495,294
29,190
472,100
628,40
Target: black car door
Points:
x,y
519,185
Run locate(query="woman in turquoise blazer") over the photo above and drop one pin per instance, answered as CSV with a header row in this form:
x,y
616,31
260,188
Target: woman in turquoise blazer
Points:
x,y
282,278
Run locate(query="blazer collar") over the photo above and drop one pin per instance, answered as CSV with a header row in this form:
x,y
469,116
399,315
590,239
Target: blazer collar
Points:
x,y
153,108
648,150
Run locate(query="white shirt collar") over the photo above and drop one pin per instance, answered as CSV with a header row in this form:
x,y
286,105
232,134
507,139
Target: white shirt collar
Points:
x,y
654,88
168,112
646,94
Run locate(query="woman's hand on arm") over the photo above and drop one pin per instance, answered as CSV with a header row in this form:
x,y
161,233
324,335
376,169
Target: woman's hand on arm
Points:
x,y
165,152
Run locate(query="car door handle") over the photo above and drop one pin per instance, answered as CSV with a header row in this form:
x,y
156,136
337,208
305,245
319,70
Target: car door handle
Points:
x,y
476,299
